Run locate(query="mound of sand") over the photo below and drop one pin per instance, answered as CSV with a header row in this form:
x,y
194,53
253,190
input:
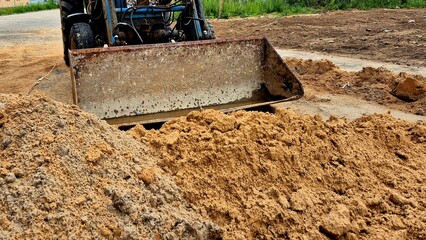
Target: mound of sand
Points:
x,y
64,174
401,91
284,175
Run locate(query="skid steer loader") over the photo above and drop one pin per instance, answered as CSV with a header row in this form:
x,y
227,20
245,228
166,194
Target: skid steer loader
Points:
x,y
146,61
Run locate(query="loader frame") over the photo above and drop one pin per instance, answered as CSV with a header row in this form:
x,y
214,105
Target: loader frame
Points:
x,y
108,19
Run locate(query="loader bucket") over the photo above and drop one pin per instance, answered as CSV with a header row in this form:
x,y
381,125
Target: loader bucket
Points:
x,y
157,82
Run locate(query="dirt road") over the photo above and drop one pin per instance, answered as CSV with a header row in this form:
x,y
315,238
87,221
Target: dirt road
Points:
x,y
31,48
30,28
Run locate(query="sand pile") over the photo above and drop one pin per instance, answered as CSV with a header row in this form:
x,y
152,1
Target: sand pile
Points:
x,y
64,174
401,91
289,176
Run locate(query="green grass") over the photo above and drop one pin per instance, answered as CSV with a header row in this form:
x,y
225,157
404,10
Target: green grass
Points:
x,y
28,8
246,8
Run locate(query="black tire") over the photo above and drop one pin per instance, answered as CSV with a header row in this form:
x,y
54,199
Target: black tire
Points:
x,y
211,34
81,36
68,7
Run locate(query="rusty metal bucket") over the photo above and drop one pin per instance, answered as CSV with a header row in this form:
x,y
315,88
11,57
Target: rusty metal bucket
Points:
x,y
157,82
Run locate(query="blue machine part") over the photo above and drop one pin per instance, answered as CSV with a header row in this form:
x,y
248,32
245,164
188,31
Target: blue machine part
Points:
x,y
154,11
109,22
198,30
149,12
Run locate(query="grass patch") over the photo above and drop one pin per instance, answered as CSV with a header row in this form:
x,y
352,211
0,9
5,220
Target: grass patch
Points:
x,y
28,8
246,8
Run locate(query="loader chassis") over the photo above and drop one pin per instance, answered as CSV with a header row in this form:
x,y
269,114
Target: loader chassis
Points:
x,y
120,22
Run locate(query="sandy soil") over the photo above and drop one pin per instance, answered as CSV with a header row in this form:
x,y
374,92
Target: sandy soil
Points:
x,y
64,174
22,66
283,175
246,175
385,35
397,91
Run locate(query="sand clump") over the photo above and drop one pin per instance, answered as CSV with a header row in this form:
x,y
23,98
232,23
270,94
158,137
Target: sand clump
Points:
x,y
401,91
65,174
284,175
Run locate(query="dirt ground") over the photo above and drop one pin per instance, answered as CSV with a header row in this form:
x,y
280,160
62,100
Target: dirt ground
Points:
x,y
22,66
64,174
397,91
396,36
